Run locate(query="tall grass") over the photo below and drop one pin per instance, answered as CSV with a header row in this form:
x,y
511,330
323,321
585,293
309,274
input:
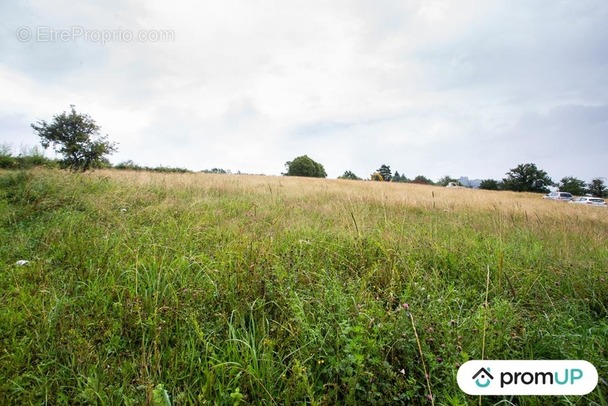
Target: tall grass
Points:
x,y
148,288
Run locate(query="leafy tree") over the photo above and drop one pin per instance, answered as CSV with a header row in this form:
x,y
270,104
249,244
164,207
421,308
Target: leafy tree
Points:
x,y
400,178
489,184
598,188
447,179
76,137
572,185
422,180
527,178
305,166
349,175
385,172
376,176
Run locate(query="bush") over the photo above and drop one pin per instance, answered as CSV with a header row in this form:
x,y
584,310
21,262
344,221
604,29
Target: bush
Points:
x,y
132,166
128,165
28,158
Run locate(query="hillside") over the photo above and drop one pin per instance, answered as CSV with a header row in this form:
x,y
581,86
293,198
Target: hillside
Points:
x,y
144,288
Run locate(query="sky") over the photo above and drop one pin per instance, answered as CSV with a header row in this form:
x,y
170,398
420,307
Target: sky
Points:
x,y
429,87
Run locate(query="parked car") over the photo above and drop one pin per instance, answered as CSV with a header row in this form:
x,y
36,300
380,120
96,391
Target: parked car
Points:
x,y
592,201
561,196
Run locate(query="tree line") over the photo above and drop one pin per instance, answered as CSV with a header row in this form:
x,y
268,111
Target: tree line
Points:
x,y
523,178
77,138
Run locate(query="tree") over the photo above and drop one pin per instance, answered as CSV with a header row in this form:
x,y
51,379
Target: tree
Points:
x,y
75,136
349,175
376,176
385,172
572,185
422,180
400,178
489,184
598,188
527,178
446,180
304,166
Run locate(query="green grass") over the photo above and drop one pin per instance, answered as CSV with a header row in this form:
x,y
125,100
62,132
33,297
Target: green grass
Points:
x,y
212,289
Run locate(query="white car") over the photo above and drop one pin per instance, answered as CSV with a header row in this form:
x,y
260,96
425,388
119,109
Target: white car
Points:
x,y
592,201
561,196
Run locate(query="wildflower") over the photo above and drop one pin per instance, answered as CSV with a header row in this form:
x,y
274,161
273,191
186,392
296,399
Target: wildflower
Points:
x,y
402,371
406,306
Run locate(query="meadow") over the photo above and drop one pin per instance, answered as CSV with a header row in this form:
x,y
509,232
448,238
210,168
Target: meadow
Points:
x,y
152,288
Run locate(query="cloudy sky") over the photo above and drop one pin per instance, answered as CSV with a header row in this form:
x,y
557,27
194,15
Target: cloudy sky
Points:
x,y
431,87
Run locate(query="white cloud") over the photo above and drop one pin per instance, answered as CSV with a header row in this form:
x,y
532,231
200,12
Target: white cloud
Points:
x,y
428,87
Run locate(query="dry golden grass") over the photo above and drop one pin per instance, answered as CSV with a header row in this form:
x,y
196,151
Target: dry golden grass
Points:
x,y
345,192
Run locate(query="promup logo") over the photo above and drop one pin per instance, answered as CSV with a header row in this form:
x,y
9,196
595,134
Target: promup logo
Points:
x,y
483,373
527,377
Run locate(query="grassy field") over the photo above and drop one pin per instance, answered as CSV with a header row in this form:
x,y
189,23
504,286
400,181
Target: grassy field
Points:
x,y
230,289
